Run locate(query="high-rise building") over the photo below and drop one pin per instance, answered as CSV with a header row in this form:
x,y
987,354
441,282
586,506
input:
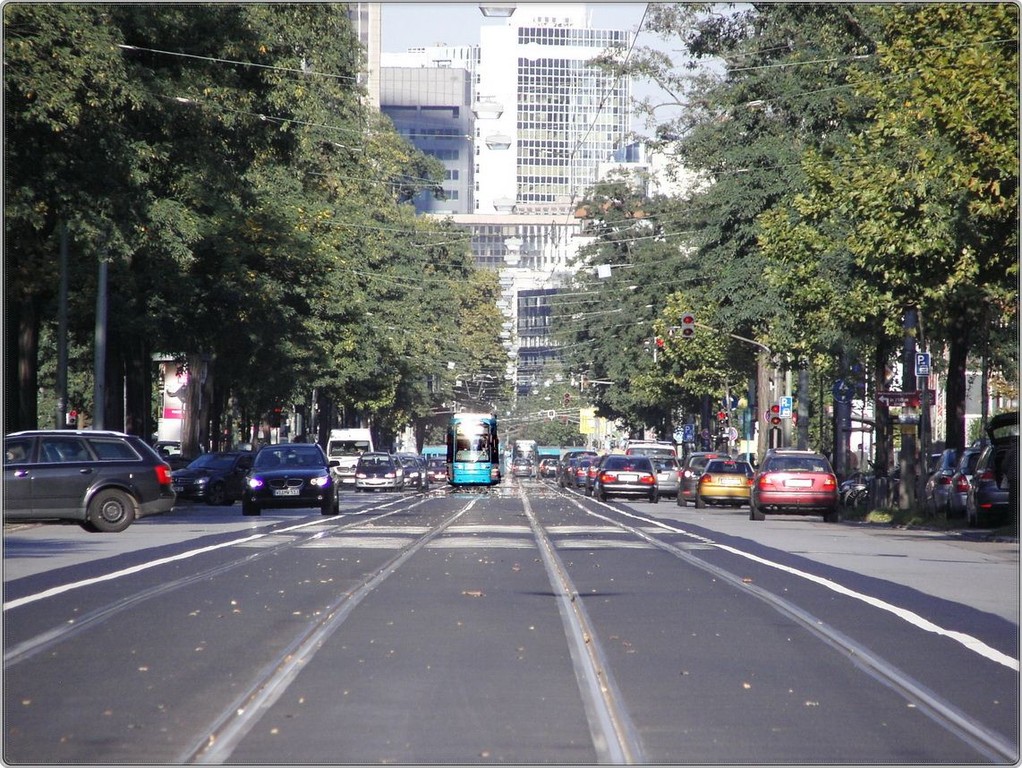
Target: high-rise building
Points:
x,y
539,122
564,115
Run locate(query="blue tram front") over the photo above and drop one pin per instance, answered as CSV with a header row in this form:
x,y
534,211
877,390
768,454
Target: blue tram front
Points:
x,y
473,450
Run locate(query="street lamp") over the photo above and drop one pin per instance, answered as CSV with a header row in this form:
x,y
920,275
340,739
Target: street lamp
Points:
x,y
498,141
497,10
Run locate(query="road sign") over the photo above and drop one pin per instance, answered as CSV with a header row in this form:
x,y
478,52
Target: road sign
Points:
x,y
842,391
923,364
903,399
732,435
786,406
688,433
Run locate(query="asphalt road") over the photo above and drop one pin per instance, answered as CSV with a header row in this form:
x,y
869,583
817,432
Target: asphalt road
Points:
x,y
515,625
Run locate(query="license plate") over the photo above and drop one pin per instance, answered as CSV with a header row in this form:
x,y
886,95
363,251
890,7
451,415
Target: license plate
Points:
x,y
799,483
177,488
286,492
730,481
628,477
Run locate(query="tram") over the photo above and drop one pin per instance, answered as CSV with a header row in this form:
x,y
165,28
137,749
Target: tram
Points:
x,y
473,449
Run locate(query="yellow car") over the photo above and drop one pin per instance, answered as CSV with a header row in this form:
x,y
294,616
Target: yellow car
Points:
x,y
724,481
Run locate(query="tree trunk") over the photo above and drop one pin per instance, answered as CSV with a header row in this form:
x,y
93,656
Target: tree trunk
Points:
x,y
954,424
27,398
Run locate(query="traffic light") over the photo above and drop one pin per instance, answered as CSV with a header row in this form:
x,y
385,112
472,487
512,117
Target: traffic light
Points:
x,y
660,342
567,399
688,325
722,416
775,415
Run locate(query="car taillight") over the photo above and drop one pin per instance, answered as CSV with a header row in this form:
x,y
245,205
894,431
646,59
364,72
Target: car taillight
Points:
x,y
163,474
944,480
647,479
986,475
962,484
830,483
706,479
608,477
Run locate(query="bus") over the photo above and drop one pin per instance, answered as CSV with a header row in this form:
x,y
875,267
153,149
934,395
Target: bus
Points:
x,y
473,449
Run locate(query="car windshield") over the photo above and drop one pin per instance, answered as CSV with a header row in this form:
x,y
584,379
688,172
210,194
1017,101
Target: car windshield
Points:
x,y
290,456
375,460
718,466
798,464
212,461
628,464
665,464
348,447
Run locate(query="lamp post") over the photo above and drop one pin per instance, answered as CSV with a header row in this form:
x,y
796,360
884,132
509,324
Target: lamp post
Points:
x,y
497,10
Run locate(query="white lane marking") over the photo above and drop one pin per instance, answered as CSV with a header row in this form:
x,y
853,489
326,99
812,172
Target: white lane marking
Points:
x,y
60,589
973,644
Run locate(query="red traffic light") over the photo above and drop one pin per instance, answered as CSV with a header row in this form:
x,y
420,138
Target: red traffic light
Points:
x,y
775,415
688,325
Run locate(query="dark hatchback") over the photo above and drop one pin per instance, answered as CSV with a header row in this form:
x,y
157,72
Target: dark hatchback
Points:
x,y
993,488
626,476
215,478
102,480
290,475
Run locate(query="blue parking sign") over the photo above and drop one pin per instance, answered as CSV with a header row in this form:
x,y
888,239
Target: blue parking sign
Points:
x,y
923,364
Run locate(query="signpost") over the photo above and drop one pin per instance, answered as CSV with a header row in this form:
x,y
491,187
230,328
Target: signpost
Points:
x,y
903,399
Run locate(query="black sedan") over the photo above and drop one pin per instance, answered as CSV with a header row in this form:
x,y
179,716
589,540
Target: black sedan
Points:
x,y
215,478
290,475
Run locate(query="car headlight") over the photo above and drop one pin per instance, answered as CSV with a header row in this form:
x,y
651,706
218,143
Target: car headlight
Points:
x,y
255,483
201,480
320,482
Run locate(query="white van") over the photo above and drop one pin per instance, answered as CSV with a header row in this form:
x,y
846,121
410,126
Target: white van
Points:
x,y
346,445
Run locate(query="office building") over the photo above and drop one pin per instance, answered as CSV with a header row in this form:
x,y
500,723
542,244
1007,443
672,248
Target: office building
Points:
x,y
539,121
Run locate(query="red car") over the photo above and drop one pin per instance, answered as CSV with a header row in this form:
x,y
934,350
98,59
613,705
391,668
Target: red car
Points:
x,y
794,483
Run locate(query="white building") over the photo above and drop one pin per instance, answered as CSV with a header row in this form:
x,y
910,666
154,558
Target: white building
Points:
x,y
544,119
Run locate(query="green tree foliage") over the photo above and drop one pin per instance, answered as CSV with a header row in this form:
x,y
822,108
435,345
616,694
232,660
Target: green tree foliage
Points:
x,y
222,160
919,208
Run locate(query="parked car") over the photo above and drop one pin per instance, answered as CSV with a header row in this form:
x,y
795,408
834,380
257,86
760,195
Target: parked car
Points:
x,y
938,483
582,466
379,471
621,475
436,470
416,476
566,470
959,492
215,478
102,480
794,482
724,481
993,489
290,475
548,467
170,452
522,467
668,470
693,467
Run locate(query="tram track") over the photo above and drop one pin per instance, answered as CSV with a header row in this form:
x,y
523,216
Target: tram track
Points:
x,y
294,535
613,735
987,742
237,719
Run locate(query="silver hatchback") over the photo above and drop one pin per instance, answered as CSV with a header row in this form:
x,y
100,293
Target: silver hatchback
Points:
x,y
667,471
